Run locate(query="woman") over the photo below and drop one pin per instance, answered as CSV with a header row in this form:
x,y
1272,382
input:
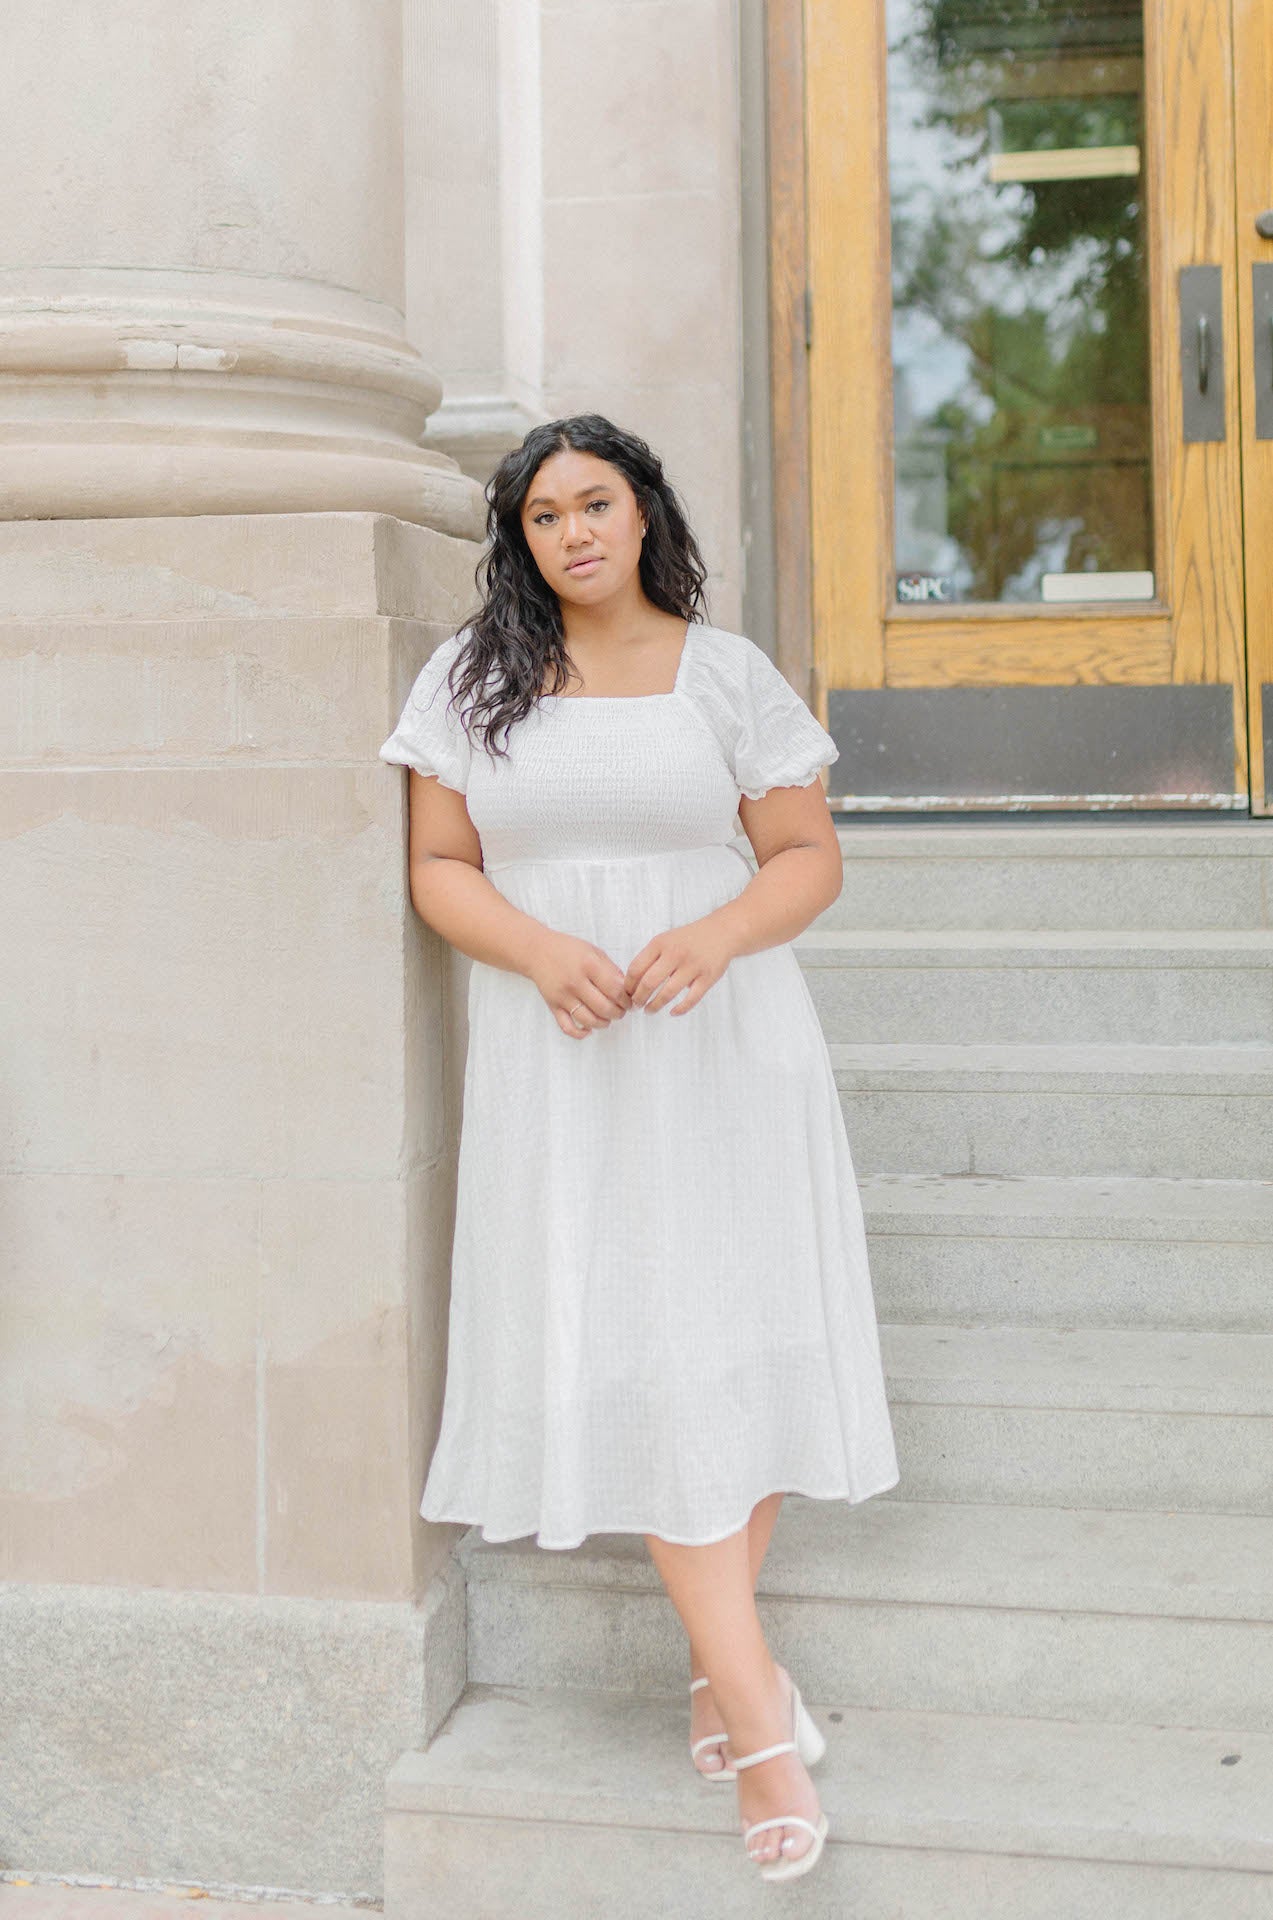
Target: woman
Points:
x,y
661,1314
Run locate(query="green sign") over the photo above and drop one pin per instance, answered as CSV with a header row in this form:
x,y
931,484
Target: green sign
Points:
x,y
1071,439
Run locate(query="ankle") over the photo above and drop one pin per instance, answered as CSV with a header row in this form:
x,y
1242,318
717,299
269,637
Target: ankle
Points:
x,y
755,1710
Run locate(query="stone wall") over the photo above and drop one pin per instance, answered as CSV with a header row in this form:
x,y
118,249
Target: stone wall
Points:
x,y
228,1138
574,241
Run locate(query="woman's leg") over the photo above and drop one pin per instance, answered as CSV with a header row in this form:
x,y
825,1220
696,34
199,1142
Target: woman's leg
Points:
x,y
712,1589
705,1715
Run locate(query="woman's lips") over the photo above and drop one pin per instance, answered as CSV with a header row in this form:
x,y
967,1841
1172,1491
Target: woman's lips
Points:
x,y
584,566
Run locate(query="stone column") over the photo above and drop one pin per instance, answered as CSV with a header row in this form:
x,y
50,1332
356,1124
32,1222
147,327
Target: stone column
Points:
x,y
226,1146
201,299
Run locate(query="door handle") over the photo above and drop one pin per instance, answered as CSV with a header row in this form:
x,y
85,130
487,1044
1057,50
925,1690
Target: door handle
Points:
x,y
1262,340
1202,353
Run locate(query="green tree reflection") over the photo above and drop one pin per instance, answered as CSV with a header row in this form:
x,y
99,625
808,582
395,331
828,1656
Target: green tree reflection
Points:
x,y
1032,291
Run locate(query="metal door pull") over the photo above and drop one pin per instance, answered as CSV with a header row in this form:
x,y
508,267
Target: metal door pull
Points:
x,y
1262,342
1202,353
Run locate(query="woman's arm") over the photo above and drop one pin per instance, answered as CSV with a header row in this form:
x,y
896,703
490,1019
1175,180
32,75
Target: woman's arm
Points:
x,y
801,869
801,872
449,889
579,982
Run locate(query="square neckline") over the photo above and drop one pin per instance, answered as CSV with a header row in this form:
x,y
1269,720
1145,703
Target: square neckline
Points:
x,y
611,699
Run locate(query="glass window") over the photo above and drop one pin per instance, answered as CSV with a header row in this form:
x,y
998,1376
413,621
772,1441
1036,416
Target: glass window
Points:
x,y
1020,312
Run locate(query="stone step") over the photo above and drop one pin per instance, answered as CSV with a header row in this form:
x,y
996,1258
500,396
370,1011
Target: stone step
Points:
x,y
1052,1612
1139,988
539,1803
1074,1251
958,873
1091,1417
1195,1112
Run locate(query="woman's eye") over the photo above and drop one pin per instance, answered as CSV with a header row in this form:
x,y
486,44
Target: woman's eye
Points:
x,y
547,515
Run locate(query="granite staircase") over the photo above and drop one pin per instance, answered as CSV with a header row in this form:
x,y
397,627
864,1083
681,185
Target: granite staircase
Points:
x,y
1044,1662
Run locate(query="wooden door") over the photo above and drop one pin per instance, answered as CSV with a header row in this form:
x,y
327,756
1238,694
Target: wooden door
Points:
x,y
1030,357
1253,121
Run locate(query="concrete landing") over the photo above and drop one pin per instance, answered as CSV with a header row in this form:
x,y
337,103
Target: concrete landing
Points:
x,y
23,1899
532,1802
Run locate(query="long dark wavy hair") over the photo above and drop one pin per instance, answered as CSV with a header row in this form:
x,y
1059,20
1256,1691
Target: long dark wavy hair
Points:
x,y
515,645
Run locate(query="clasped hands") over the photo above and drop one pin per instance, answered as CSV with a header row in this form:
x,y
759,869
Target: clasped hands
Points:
x,y
585,989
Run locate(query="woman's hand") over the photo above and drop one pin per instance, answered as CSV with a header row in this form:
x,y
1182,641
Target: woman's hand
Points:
x,y
573,974
690,958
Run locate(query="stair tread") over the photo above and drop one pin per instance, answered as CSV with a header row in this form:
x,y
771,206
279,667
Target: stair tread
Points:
x,y
1053,1559
1049,946
1106,1067
1078,1206
1122,1369
966,839
1061,1789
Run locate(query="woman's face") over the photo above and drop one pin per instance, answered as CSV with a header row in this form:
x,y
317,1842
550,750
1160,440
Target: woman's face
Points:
x,y
583,526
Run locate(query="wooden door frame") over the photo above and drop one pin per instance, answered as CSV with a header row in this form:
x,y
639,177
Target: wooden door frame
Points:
x,y
788,347
1253,62
832,433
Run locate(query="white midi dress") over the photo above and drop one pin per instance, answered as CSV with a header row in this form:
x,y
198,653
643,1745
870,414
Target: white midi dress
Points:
x,y
661,1309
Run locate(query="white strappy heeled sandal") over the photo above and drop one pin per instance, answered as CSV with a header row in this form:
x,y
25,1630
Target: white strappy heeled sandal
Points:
x,y
809,1742
709,1740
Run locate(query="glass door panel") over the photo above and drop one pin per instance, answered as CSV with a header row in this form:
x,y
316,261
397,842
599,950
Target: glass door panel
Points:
x,y
1020,336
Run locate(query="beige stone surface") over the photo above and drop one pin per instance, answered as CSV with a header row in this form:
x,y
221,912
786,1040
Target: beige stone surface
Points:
x,y
575,167
228,1125
115,692
50,1899
181,1337
210,973
195,139
668,138
204,314
237,1741
648,321
22,1899
451,191
237,565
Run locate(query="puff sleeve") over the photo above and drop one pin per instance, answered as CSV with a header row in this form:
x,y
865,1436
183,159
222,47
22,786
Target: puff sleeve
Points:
x,y
430,735
776,740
